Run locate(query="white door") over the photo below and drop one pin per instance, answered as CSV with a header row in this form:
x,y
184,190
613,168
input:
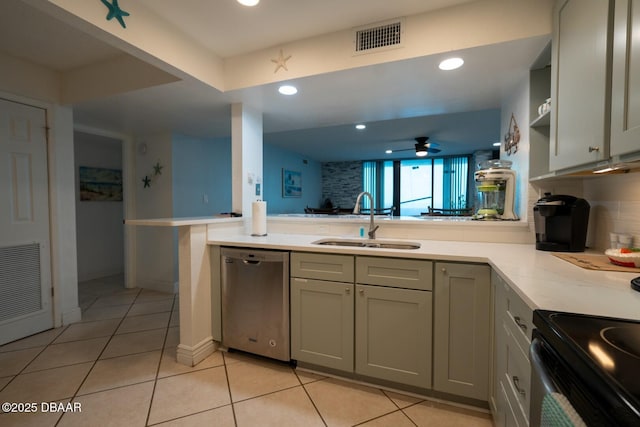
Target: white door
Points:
x,y
25,266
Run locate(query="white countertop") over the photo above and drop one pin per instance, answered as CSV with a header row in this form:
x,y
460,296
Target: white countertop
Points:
x,y
542,280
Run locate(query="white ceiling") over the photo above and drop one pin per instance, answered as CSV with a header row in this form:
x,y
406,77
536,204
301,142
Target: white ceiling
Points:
x,y
399,100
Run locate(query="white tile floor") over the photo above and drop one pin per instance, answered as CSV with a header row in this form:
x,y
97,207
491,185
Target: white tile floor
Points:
x,y
118,365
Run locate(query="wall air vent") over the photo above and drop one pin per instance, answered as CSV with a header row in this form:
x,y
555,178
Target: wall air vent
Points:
x,y
384,35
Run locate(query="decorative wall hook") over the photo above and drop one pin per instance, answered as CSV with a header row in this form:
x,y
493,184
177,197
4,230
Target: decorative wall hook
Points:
x,y
512,137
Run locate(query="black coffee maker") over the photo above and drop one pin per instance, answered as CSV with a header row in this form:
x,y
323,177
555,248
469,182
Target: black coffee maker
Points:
x,y
561,223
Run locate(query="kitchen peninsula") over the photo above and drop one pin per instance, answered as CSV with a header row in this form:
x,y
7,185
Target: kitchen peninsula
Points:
x,y
539,278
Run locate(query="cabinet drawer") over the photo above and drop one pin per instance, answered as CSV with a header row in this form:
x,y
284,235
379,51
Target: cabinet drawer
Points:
x,y
398,273
518,373
512,417
516,313
335,268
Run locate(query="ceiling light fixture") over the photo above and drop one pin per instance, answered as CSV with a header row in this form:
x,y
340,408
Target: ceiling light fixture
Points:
x,y
287,90
389,151
421,150
451,64
497,144
249,2
361,126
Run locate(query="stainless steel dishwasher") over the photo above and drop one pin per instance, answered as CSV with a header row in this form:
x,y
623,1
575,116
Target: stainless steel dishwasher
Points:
x,y
255,301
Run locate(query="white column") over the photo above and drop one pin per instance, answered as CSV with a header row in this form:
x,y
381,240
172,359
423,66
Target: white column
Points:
x,y
246,157
196,341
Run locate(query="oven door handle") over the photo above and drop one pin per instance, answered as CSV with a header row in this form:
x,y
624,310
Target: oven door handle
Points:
x,y
535,352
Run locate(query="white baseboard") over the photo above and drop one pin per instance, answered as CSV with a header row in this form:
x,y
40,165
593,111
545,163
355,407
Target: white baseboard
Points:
x,y
191,356
71,316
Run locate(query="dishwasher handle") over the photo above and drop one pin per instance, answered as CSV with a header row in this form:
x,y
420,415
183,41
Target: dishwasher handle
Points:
x,y
255,262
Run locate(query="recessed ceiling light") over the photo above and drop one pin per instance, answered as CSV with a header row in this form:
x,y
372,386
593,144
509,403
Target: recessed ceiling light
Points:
x,y
389,151
497,144
361,126
248,2
451,64
287,90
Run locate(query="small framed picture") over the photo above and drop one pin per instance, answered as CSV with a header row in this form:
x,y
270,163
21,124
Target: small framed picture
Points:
x,y
291,183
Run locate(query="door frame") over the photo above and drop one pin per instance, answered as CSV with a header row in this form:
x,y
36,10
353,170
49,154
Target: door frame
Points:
x,y
128,196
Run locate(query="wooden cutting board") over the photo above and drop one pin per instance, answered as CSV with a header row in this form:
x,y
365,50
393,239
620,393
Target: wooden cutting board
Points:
x,y
593,262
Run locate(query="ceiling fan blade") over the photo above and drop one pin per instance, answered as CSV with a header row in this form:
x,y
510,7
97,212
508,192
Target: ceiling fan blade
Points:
x,y
422,140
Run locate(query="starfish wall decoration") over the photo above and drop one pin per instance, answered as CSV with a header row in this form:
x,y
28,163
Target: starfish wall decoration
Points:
x,y
115,11
151,177
281,62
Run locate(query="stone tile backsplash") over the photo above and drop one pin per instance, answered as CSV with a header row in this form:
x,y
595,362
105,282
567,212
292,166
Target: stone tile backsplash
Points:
x,y
341,183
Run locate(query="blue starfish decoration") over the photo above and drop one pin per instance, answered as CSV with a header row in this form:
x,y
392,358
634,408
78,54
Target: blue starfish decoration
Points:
x,y
115,12
146,181
157,169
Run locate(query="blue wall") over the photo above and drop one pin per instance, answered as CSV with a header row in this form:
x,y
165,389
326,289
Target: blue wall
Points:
x,y
274,160
201,167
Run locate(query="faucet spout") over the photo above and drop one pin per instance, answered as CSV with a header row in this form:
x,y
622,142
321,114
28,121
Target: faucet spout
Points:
x,y
356,211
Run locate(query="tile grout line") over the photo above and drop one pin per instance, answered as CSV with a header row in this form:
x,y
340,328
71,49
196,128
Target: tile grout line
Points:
x,y
164,344
226,374
98,357
34,358
310,398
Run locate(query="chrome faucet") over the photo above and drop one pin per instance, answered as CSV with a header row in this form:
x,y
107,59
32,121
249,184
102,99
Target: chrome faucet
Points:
x,y
356,211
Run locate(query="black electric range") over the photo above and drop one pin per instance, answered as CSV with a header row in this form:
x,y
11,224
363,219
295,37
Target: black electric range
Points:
x,y
596,360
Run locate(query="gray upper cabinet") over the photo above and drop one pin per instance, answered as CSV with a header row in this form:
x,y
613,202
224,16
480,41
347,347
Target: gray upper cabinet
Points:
x,y
462,329
580,87
625,80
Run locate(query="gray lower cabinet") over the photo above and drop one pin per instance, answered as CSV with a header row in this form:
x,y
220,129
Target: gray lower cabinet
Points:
x,y
375,322
322,307
462,335
393,334
322,323
513,323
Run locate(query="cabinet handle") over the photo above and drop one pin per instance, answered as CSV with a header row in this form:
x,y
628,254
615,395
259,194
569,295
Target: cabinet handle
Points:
x,y
361,291
516,384
520,323
592,149
347,291
444,270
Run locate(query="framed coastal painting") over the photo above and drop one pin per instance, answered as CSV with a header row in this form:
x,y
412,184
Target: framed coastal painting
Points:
x,y
291,183
100,184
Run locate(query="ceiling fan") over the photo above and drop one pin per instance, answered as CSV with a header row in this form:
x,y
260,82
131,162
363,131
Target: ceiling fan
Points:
x,y
423,147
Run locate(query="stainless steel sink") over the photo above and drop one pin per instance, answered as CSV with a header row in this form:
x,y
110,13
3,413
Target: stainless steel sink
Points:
x,y
369,243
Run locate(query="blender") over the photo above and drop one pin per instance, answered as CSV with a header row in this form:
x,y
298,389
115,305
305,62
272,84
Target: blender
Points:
x,y
495,184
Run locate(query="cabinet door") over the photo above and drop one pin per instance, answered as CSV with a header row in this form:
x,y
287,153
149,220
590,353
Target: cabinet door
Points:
x,y
580,83
393,334
462,320
322,323
625,101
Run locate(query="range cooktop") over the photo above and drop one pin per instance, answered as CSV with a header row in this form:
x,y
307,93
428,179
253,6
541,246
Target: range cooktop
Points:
x,y
605,350
612,344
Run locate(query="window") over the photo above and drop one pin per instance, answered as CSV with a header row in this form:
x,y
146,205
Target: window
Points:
x,y
440,183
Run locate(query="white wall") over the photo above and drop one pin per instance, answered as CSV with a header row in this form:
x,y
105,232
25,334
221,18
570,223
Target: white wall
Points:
x,y
99,230
62,211
517,104
155,253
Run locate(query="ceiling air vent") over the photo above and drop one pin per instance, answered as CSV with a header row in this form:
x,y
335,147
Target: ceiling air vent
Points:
x,y
384,35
